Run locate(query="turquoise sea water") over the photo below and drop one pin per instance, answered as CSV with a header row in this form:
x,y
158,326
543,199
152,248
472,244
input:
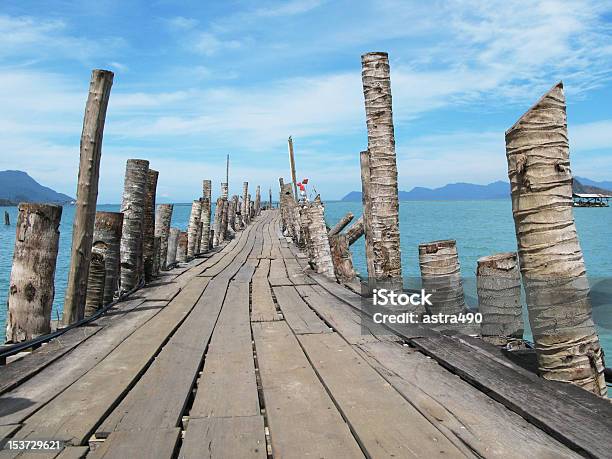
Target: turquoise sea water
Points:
x,y
480,228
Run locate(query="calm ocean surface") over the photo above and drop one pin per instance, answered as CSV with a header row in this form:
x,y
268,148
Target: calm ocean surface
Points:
x,y
480,228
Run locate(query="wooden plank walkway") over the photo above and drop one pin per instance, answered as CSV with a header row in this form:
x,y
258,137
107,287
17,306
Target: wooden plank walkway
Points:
x,y
247,354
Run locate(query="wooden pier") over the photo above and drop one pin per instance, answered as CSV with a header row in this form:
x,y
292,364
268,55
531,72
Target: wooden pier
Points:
x,y
247,353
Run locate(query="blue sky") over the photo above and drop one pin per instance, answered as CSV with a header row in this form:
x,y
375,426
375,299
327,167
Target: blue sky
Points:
x,y
195,80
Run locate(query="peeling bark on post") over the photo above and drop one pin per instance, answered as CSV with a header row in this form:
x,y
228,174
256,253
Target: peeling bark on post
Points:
x,y
205,241
217,222
192,229
87,194
355,231
364,158
149,224
231,214
31,291
245,204
383,193
287,213
550,256
224,190
96,281
182,247
107,237
498,281
341,257
224,217
321,252
257,200
163,217
441,276
173,239
132,207
156,255
338,227
298,237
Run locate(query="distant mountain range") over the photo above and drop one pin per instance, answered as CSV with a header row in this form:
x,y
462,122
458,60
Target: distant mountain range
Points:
x,y
18,186
473,192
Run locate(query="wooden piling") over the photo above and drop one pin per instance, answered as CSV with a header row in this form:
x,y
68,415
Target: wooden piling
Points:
x,y
383,192
338,227
31,291
355,231
550,256
217,222
292,164
205,241
156,255
498,282
87,194
364,158
231,214
245,203
224,219
163,218
182,247
173,239
149,224
250,207
96,281
321,253
287,204
132,207
270,197
107,237
340,243
441,276
192,229
257,200
7,218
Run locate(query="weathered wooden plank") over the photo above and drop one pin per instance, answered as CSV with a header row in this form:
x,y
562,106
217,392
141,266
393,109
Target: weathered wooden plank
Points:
x,y
19,403
303,420
152,444
371,406
67,418
278,274
486,427
296,272
8,429
298,315
235,437
73,452
228,386
246,272
262,308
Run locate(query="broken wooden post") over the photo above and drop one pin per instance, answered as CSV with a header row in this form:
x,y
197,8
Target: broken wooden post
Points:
x,y
31,291
245,203
292,164
298,237
163,217
156,255
182,247
257,200
287,212
7,218
224,217
383,193
321,253
132,207
250,207
87,194
96,281
149,224
441,276
173,239
340,249
217,221
107,238
355,231
338,227
231,214
205,241
192,229
550,256
498,282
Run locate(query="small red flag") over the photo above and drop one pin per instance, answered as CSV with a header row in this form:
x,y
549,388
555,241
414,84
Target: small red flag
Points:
x,y
305,181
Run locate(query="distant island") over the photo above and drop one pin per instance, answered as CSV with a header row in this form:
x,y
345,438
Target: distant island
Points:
x,y
473,192
18,186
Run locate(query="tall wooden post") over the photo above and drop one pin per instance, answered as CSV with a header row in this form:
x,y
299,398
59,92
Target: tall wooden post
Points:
x,y
149,224
205,242
132,206
550,256
292,163
87,194
441,276
231,214
250,203
498,282
383,191
217,222
163,218
107,238
192,229
172,246
245,203
156,255
317,231
224,220
31,291
182,247
270,207
257,200
96,281
237,214
364,158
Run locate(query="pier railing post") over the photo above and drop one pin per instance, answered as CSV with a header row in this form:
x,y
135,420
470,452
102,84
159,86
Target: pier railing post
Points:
x,y
192,229
340,249
31,285
217,222
383,193
163,218
498,283
149,224
132,207
107,236
205,241
87,194
173,240
550,256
